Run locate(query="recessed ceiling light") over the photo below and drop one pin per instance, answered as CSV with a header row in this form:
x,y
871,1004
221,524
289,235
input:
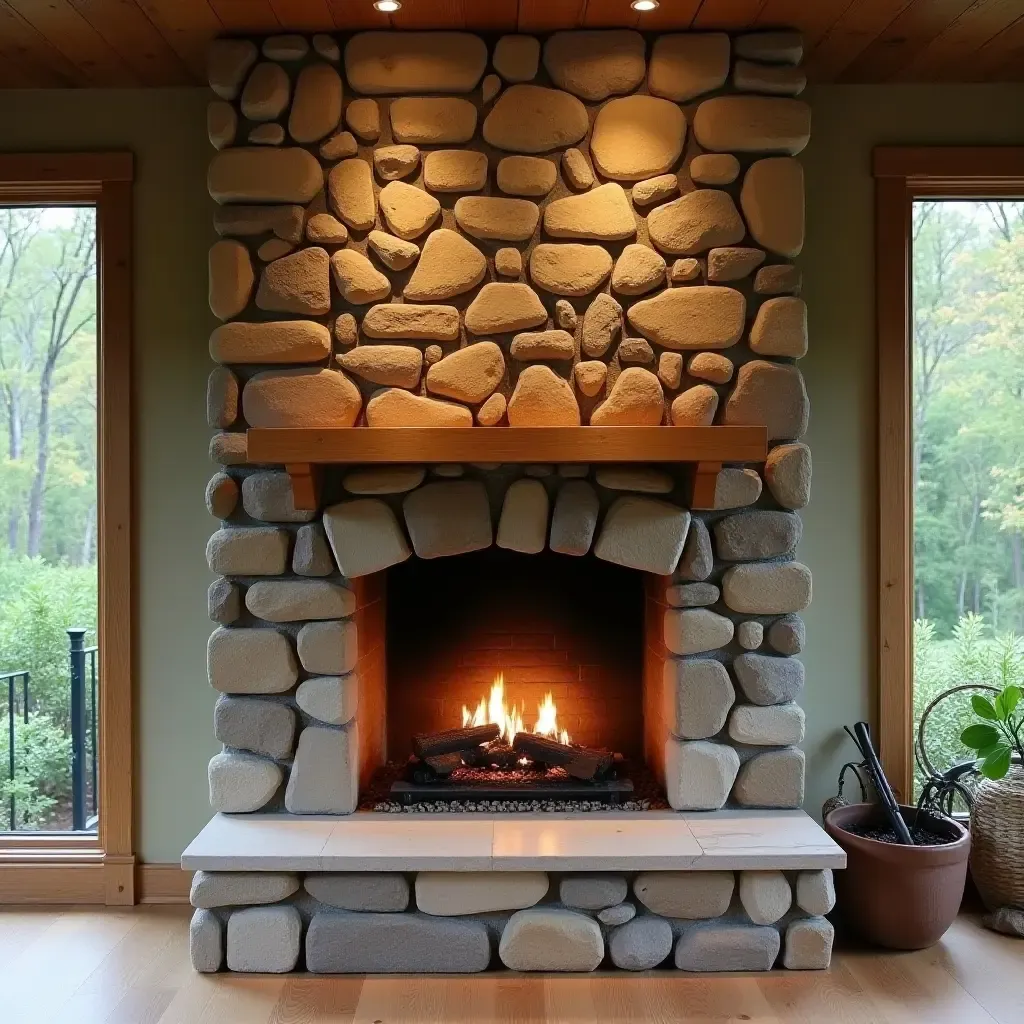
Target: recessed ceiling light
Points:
x,y
644,5
390,6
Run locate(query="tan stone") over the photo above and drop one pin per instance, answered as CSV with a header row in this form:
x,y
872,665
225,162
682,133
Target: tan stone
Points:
x,y
601,323
469,374
408,210
638,270
685,270
732,263
300,398
221,123
265,95
687,64
654,190
703,316
714,169
603,213
636,137
670,369
590,376
576,169
365,536
526,175
390,365
227,63
711,366
776,81
636,399
267,134
432,121
358,280
350,187
455,170
643,479
543,345
397,408
542,399
394,162
273,249
772,394
565,315
695,407
772,199
778,279
275,341
325,45
788,474
782,47
489,88
697,221
231,278
253,174
534,119
316,107
394,253
339,147
363,118
751,124
221,495
780,328
417,323
643,533
228,448
511,220
508,262
491,413
391,63
523,525
595,65
500,307
326,229
571,268
432,354
448,266
383,479
285,47
346,330
634,350
516,58
221,397
284,221
298,283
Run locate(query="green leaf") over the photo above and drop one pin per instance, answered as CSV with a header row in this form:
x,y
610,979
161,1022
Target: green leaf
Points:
x,y
983,752
1011,698
979,736
983,707
997,764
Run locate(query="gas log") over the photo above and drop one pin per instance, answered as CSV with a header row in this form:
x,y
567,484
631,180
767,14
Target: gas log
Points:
x,y
451,741
579,762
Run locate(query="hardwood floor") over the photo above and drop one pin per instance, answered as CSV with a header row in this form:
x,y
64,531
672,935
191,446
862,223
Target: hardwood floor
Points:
x,y
130,966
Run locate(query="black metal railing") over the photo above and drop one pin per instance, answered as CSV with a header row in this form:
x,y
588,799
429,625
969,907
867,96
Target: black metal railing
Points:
x,y
16,687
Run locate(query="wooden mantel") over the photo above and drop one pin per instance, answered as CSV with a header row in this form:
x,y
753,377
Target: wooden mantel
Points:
x,y
303,450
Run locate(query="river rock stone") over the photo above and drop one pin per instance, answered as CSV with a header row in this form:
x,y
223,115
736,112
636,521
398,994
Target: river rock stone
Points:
x,y
231,278
684,64
516,58
575,518
551,939
670,369
542,345
397,408
774,778
815,891
416,323
248,551
312,556
241,783
491,413
394,162
767,588
788,474
339,146
780,328
267,134
285,47
714,169
455,170
350,186
700,220
542,399
299,600
727,946
391,365
266,92
614,916
603,214
635,400
383,479
325,228
756,535
711,366
369,892
641,944
448,266
655,189
778,279
638,270
358,280
408,210
635,350
227,63
394,253
228,448
690,895
221,123
298,283
695,407
325,45
535,119
346,330
259,726
523,525
684,270
258,174
781,47
432,120
595,65
750,635
704,317
696,630
469,374
489,217
808,944
732,263
489,88
765,895
267,496
698,559
577,171
697,697
206,942
448,518
643,479
592,892
250,661
691,595
502,307
787,635
508,262
284,221
456,893
745,124
636,137
570,268
316,107
221,495
749,76
643,533
325,773
273,249
768,393
601,323
365,536
363,118
765,679
301,398
526,175
771,726
389,63
735,488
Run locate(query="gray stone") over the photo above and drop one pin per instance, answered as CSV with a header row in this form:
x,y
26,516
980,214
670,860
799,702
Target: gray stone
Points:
x,y
534,119
643,533
523,525
206,942
699,774
767,588
644,479
228,448
339,942
690,895
755,535
240,888
692,595
460,893
771,726
686,64
260,726
221,495
448,518
383,479
221,397
248,551
696,630
328,648
575,518
592,892
613,916
242,783
264,940
736,487
432,120
698,696
788,474
808,944
766,679
227,63
750,634
1006,921
787,635
815,891
268,497
250,661
697,559
292,601
312,555
727,946
779,47
601,323
330,699
765,895
391,63
325,773
641,944
365,536
551,939
370,891
774,778
516,57
597,64
224,601
752,124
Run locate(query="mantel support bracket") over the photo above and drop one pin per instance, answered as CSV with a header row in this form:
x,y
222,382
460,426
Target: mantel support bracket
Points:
x,y
705,480
306,478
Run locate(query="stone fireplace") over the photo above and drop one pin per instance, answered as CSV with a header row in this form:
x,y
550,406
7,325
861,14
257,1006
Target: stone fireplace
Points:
x,y
508,426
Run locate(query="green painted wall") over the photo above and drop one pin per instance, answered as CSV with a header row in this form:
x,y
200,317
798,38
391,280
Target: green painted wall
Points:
x,y
166,131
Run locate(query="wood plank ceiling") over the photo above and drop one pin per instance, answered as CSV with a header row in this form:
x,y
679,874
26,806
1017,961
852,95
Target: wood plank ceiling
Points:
x,y
123,43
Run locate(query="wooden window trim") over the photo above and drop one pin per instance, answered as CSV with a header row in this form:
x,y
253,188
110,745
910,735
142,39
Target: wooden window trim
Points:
x,y
69,868
903,174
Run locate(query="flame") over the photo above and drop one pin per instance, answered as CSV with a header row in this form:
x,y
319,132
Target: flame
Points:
x,y
509,719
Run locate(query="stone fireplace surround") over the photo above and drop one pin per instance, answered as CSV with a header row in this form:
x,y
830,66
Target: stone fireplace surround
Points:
x,y
299,656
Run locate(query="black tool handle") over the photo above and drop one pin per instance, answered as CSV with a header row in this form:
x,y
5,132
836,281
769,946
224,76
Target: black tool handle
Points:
x,y
863,735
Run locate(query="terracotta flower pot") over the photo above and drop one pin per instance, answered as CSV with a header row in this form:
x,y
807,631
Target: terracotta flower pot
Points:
x,y
899,897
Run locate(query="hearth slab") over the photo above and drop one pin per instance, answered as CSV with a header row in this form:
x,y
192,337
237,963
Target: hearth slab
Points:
x,y
621,841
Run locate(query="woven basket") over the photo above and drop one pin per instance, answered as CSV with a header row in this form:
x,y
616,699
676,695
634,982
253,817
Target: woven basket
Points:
x,y
997,840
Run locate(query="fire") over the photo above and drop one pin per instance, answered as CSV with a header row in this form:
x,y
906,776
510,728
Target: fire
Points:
x,y
509,719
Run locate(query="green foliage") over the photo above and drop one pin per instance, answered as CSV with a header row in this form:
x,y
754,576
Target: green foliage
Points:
x,y
42,773
996,743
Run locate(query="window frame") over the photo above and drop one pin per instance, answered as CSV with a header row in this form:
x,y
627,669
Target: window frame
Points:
x,y
903,174
76,867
